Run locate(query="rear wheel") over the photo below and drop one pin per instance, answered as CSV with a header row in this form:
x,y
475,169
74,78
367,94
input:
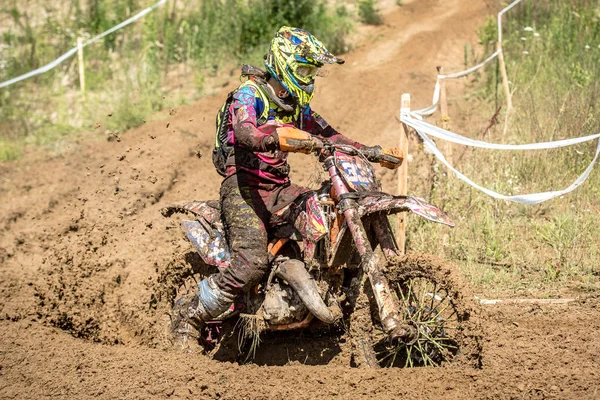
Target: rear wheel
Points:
x,y
432,300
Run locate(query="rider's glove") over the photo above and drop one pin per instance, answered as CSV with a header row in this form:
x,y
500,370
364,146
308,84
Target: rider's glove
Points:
x,y
271,142
373,153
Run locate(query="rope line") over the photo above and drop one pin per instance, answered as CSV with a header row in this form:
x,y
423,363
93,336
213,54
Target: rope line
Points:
x,y
533,198
427,111
500,14
74,50
415,122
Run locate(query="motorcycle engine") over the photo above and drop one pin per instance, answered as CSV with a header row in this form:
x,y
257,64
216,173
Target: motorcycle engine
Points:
x,y
282,305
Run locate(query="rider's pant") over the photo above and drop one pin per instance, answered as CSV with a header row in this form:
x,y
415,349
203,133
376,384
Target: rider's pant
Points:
x,y
249,206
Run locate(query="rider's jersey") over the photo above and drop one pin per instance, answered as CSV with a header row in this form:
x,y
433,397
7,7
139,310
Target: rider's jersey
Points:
x,y
253,117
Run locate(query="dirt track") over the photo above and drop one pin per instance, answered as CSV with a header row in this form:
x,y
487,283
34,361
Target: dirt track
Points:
x,y
85,256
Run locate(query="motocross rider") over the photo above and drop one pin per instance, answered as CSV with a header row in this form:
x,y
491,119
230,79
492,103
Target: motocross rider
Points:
x,y
256,192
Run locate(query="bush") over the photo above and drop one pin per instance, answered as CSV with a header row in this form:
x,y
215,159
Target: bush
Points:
x,y
368,12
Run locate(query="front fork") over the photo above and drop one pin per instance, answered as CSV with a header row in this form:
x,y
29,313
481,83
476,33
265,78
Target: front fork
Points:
x,y
389,309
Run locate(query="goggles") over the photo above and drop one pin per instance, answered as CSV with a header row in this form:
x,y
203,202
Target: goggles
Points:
x,y
307,71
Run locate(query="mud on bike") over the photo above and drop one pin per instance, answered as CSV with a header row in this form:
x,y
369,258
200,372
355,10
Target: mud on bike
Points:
x,y
338,264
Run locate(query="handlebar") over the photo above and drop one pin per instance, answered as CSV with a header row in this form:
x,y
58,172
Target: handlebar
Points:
x,y
326,148
295,140
390,159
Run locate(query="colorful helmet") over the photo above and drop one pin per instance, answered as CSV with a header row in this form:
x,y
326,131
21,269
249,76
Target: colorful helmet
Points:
x,y
294,59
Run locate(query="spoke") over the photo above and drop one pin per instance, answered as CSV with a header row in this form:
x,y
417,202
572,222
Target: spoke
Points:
x,y
420,308
422,353
418,304
433,363
394,359
431,322
408,357
390,353
445,321
409,290
451,315
451,328
437,306
435,342
439,338
425,356
441,311
433,295
403,298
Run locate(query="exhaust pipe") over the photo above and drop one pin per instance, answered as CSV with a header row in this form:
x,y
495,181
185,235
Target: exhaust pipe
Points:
x,y
296,275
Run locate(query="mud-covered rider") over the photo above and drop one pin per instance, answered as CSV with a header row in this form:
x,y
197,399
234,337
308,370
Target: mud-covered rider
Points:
x,y
256,192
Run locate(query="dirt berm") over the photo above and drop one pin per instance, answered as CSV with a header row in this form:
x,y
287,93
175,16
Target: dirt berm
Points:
x,y
85,255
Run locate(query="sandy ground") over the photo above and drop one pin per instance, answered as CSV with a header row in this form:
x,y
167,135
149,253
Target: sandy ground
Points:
x,y
85,255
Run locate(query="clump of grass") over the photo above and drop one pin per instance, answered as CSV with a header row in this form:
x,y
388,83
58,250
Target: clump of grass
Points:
x,y
368,12
10,150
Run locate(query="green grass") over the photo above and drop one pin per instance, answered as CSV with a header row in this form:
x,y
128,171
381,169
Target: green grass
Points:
x,y
10,150
546,249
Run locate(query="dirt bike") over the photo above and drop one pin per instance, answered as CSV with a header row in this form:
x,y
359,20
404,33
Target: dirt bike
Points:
x,y
338,264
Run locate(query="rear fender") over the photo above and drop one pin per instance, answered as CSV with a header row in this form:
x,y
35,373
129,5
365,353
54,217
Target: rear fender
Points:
x,y
209,210
210,243
396,204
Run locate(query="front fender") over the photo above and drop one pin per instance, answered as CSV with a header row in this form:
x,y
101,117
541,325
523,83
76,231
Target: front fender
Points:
x,y
395,204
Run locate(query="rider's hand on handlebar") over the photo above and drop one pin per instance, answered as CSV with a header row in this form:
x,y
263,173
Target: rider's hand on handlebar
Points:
x,y
373,153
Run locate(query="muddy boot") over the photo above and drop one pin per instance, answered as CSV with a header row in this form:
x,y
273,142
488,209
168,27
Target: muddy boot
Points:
x,y
184,330
191,312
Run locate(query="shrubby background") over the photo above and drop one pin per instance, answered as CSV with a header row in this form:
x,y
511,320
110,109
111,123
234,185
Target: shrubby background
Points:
x,y
174,50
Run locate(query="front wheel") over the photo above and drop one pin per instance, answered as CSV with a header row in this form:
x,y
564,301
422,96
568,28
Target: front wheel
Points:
x,y
435,302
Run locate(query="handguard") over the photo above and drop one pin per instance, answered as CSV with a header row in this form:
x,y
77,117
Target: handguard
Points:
x,y
392,157
297,141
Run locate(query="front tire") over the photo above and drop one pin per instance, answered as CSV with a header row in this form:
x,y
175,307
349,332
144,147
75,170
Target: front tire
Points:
x,y
435,301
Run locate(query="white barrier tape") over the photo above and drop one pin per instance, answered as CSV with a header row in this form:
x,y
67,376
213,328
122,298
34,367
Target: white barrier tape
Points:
x,y
514,3
425,112
470,70
432,130
71,52
533,198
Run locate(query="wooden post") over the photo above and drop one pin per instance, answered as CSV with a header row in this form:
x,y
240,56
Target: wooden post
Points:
x,y
81,66
445,116
403,176
509,105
